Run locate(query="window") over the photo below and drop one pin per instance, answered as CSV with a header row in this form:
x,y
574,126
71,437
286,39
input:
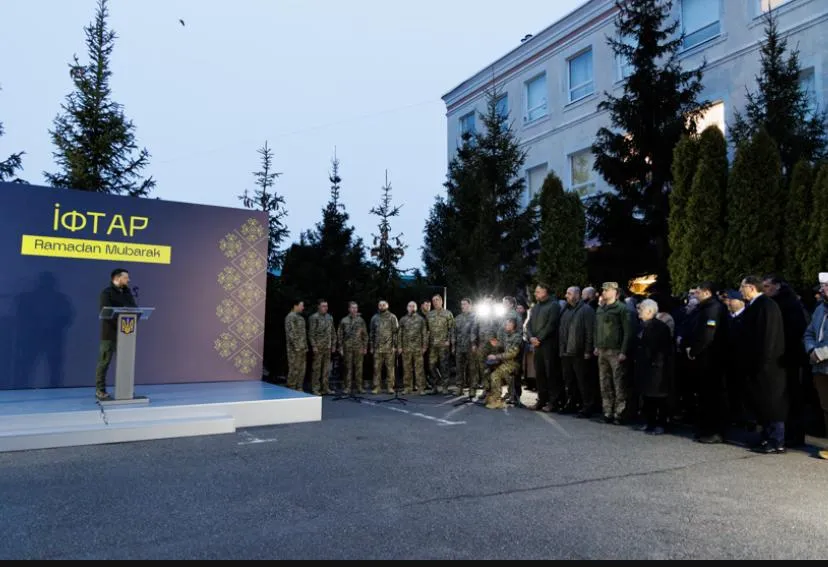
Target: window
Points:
x,y
713,116
580,172
807,84
536,98
502,106
535,178
580,76
625,66
768,5
467,123
699,21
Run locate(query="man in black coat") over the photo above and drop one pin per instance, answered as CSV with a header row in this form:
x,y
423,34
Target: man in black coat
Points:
x,y
705,347
116,294
542,331
764,370
794,321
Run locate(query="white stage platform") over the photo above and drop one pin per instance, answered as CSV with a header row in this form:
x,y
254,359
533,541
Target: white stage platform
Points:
x,y
67,417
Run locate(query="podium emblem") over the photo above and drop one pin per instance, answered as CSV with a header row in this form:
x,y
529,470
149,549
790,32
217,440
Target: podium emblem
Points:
x,y
128,325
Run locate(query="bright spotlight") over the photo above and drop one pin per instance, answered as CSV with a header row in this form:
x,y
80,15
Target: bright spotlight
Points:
x,y
499,310
484,310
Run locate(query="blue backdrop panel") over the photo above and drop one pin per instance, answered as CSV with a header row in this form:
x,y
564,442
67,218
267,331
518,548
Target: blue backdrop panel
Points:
x,y
203,268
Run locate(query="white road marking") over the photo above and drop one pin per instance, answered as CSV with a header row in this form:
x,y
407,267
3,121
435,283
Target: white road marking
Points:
x,y
252,439
457,399
455,410
441,421
549,419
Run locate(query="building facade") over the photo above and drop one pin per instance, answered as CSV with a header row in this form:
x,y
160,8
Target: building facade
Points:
x,y
552,83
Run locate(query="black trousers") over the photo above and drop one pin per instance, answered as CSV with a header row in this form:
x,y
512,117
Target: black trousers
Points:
x,y
576,379
655,411
547,375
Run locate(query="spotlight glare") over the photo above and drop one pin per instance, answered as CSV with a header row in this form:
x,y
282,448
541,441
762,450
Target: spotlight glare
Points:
x,y
484,310
500,310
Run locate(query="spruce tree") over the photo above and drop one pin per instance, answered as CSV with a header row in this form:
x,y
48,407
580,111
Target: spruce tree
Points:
x,y
482,229
798,207
659,105
10,165
780,106
329,260
815,253
562,259
704,226
754,209
96,147
265,198
685,161
387,250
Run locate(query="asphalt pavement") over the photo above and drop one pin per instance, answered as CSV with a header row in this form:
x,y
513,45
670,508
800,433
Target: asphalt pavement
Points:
x,y
423,480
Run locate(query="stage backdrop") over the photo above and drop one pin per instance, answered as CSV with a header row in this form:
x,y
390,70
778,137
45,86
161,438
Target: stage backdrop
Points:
x,y
202,268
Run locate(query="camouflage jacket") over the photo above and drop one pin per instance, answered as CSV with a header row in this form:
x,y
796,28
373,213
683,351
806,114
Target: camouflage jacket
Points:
x,y
413,333
295,336
509,347
352,333
384,327
465,332
440,327
321,334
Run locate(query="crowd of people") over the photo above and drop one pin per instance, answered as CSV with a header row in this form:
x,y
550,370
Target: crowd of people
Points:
x,y
715,358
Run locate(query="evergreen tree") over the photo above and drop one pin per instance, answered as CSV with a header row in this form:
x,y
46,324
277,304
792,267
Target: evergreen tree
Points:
x,y
798,207
658,106
265,198
704,226
482,228
329,261
388,250
685,161
562,260
816,247
754,209
10,165
96,148
780,106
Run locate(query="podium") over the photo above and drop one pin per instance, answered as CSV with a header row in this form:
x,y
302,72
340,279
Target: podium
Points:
x,y
127,328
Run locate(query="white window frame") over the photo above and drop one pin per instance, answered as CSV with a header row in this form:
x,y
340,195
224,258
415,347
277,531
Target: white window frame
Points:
x,y
462,120
543,106
760,10
718,23
714,101
813,71
577,188
528,177
619,63
504,96
591,82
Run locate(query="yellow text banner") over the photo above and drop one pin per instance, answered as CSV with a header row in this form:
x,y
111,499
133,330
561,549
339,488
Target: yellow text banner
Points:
x,y
80,249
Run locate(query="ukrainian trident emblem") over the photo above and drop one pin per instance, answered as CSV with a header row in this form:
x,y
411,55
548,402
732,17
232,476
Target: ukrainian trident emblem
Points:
x,y
128,325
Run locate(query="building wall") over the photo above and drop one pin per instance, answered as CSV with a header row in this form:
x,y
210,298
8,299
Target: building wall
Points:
x,y
731,54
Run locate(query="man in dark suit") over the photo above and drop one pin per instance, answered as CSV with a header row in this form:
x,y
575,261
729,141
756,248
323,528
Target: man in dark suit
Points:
x,y
766,380
116,294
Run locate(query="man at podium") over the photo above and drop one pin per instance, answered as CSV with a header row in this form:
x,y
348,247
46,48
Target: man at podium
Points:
x,y
116,294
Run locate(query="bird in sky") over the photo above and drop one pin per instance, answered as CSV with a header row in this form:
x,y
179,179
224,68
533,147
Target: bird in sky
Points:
x,y
182,21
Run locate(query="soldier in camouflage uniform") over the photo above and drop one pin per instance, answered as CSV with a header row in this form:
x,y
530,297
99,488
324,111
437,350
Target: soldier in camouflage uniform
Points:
x,y
505,362
352,343
425,309
297,346
411,344
510,312
384,328
489,325
441,342
465,348
322,341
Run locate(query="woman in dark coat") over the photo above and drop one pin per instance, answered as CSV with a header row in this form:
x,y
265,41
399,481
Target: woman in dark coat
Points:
x,y
654,367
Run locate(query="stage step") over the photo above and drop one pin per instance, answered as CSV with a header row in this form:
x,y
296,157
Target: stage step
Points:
x,y
74,432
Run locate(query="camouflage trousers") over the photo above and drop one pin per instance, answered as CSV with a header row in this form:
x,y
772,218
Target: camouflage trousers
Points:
x,y
612,374
504,373
438,366
297,361
320,371
485,370
352,361
468,369
413,367
386,359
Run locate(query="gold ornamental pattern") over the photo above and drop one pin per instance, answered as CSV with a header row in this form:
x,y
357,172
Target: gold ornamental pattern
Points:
x,y
239,343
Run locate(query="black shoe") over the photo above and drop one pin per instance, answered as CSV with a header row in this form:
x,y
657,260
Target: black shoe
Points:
x,y
103,396
583,414
619,421
710,439
769,448
608,419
